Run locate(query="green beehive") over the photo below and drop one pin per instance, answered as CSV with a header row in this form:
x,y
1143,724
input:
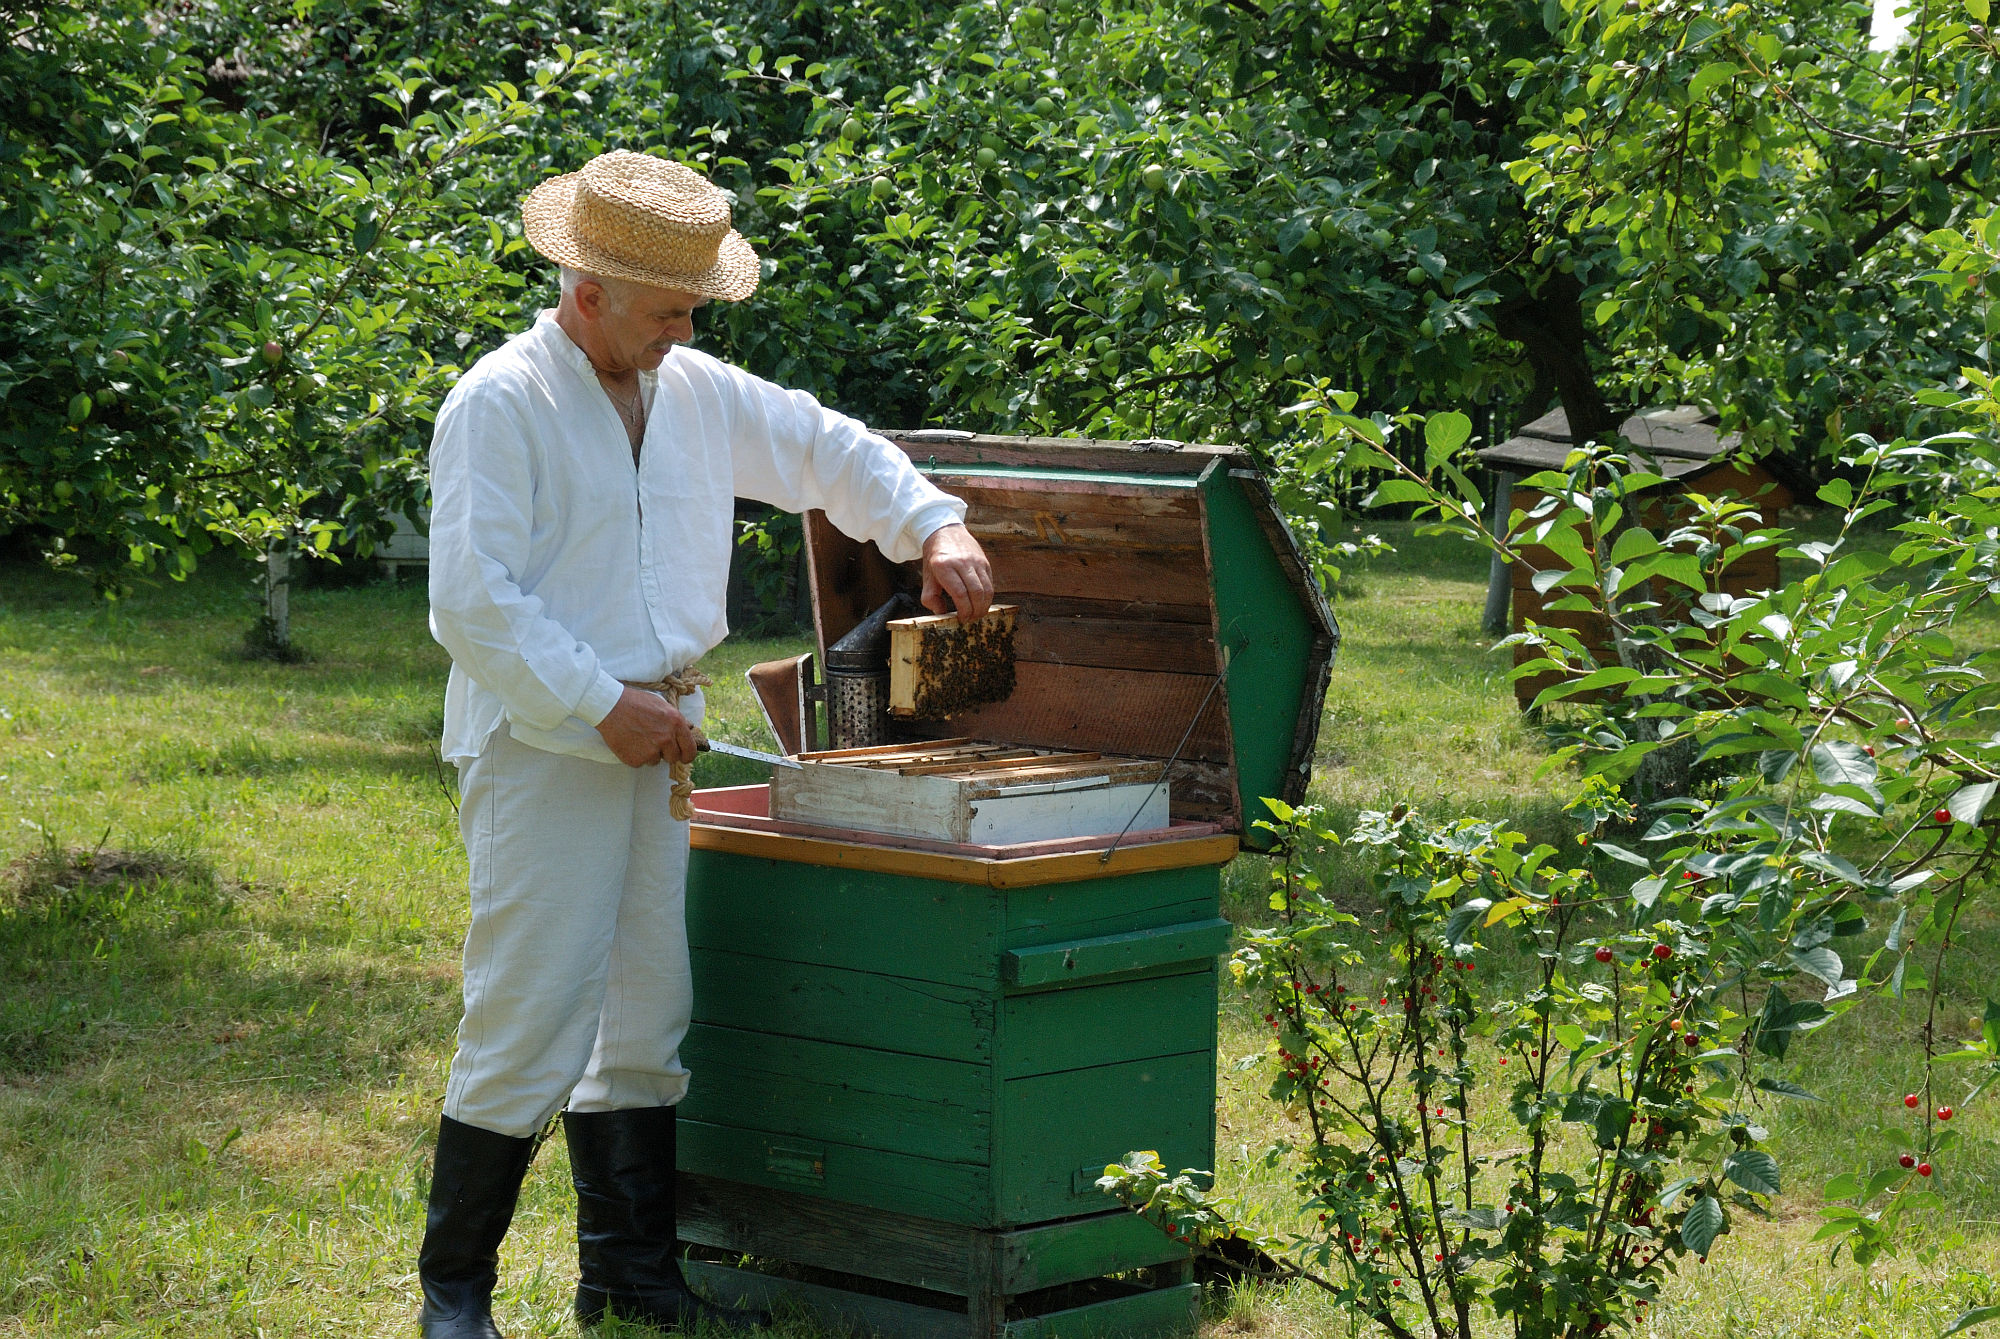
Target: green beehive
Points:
x,y
913,1061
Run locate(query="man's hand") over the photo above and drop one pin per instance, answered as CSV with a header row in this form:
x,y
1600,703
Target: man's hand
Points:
x,y
956,574
644,728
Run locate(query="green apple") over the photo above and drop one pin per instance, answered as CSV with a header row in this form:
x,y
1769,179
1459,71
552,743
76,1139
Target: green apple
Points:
x,y
272,352
63,490
1427,328
851,129
1154,177
1415,277
1312,241
1045,106
987,158
882,188
1263,269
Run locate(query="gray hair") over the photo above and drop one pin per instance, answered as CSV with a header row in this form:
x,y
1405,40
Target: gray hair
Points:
x,y
617,292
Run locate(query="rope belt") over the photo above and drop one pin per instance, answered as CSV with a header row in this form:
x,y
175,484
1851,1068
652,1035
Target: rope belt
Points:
x,y
674,687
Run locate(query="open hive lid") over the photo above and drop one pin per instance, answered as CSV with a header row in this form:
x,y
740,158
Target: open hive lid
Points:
x,y
1163,604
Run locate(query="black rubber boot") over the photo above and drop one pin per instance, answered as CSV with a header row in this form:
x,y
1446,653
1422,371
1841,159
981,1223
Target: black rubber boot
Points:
x,y
623,1166
474,1184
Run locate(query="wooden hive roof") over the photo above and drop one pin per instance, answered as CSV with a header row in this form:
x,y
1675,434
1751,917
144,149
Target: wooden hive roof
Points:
x,y
1680,440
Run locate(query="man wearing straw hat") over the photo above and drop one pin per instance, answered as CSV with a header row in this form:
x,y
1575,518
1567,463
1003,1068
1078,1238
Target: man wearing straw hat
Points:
x,y
584,477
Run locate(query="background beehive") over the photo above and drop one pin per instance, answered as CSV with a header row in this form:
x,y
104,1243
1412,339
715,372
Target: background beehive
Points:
x,y
1685,447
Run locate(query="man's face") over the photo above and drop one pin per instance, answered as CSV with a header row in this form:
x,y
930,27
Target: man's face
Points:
x,y
638,331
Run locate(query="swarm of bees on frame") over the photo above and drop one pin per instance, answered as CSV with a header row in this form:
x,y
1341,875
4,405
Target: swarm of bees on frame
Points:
x,y
963,666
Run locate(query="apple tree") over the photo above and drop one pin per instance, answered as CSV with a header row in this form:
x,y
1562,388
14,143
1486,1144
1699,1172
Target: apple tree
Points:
x,y
223,335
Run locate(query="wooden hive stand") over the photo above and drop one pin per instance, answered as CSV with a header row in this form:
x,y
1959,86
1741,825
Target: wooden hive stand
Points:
x,y
1683,445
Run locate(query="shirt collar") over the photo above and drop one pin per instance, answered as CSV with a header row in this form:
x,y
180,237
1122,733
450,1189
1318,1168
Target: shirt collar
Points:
x,y
567,352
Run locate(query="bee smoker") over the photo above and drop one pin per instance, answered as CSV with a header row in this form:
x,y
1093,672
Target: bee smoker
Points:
x,y
857,677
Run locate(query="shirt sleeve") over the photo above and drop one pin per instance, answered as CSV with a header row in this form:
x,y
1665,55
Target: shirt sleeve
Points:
x,y
482,510
793,452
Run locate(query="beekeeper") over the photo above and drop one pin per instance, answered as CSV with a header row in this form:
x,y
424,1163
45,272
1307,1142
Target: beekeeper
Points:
x,y
583,479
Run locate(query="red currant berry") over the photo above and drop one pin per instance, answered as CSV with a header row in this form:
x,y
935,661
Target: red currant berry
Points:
x,y
1662,952
1604,955
1906,1161
1923,1169
1944,1113
1910,1101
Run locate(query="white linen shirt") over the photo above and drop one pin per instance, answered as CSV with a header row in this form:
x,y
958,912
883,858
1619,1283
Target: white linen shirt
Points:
x,y
558,568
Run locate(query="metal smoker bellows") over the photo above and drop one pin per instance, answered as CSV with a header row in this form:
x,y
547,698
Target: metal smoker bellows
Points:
x,y
857,678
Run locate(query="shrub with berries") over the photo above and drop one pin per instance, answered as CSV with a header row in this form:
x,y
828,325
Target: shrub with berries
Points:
x,y
1767,779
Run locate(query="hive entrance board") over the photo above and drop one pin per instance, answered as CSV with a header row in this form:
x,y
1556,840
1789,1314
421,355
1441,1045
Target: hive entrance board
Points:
x,y
972,791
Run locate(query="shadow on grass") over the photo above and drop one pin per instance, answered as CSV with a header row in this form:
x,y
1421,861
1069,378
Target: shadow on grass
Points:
x,y
109,950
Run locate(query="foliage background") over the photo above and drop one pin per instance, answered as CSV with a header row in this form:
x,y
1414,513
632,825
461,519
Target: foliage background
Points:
x,y
1131,220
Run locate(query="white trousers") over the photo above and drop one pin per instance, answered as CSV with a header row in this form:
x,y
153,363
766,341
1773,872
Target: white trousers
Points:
x,y
577,987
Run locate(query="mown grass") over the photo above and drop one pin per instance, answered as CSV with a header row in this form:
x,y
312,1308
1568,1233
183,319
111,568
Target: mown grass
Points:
x,y
229,931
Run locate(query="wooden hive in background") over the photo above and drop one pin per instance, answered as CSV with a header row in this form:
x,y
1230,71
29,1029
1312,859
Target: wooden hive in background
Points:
x,y
1684,446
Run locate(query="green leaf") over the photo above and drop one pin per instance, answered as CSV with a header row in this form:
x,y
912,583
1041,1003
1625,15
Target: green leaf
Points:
x,y
1621,854
1821,962
1612,1118
1980,10
1753,1169
1837,493
1683,568
1778,687
1786,1088
1711,76
1443,435
1841,763
1703,1224
1970,801
1392,491
1464,919
1633,543
1979,1315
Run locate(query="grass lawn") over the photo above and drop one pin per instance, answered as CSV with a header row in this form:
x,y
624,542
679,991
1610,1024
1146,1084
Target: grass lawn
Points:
x,y
230,919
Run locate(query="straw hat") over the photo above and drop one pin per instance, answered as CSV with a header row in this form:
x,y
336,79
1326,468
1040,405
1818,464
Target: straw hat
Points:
x,y
633,216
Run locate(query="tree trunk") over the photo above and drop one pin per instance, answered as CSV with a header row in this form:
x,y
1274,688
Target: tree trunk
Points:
x,y
1547,322
278,593
270,637
1499,572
